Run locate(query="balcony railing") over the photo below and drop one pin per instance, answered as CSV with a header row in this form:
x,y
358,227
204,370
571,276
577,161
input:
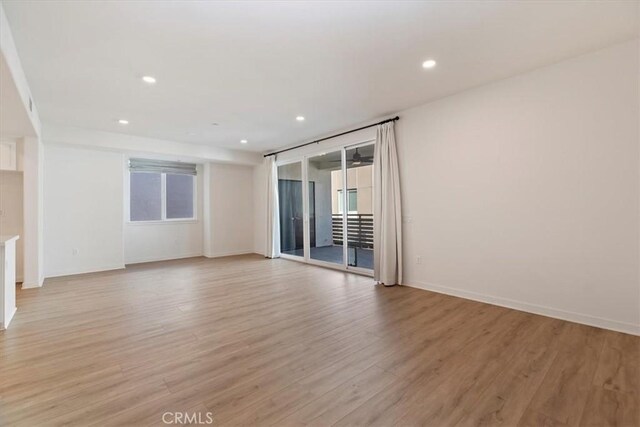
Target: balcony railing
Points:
x,y
359,230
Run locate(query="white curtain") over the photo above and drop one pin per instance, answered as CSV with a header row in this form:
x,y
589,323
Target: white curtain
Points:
x,y
272,249
387,210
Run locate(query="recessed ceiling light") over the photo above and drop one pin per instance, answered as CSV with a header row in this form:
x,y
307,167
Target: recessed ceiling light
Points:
x,y
300,118
429,63
215,124
123,122
149,79
243,141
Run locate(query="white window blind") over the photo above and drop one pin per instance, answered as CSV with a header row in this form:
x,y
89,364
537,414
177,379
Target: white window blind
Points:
x,y
162,166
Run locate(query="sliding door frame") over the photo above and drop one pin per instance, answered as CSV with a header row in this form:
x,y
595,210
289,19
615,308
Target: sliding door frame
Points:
x,y
345,204
304,159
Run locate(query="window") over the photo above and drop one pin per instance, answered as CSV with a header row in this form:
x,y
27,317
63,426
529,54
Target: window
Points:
x,y
146,196
161,191
179,194
352,196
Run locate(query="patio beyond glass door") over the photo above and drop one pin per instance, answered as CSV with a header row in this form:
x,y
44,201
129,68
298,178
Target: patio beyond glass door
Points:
x,y
326,208
359,205
323,201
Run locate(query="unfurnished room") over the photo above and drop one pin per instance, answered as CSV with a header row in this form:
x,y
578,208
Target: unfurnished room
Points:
x,y
320,213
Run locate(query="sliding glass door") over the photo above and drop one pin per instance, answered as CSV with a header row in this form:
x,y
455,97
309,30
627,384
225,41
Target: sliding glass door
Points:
x,y
323,223
326,208
291,209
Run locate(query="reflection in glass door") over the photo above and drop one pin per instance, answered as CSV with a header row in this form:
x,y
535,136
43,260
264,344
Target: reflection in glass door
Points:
x,y
291,209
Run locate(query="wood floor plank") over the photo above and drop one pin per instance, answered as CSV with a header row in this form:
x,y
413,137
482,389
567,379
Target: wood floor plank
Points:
x,y
273,342
619,364
507,397
383,408
336,403
610,408
234,401
570,375
447,391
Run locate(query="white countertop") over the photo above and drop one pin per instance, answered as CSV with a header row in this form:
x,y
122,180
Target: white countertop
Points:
x,y
8,238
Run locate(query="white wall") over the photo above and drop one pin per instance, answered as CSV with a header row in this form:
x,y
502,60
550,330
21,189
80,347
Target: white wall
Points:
x,y
86,201
33,181
259,209
123,143
33,209
155,242
83,222
525,192
232,212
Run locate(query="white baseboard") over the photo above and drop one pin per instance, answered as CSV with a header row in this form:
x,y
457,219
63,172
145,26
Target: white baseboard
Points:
x,y
229,253
85,271
614,325
33,285
167,258
5,326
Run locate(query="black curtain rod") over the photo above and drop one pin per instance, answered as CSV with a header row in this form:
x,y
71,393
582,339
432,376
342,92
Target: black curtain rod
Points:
x,y
332,136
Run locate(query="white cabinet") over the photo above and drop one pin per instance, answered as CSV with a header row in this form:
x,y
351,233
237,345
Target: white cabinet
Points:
x,y
8,156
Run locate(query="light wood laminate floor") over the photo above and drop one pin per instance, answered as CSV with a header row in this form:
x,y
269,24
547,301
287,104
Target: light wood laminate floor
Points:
x,y
259,342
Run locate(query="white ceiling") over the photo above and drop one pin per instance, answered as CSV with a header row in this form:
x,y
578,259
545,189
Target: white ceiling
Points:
x,y
253,67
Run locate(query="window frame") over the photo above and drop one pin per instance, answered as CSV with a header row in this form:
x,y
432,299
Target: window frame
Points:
x,y
163,201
